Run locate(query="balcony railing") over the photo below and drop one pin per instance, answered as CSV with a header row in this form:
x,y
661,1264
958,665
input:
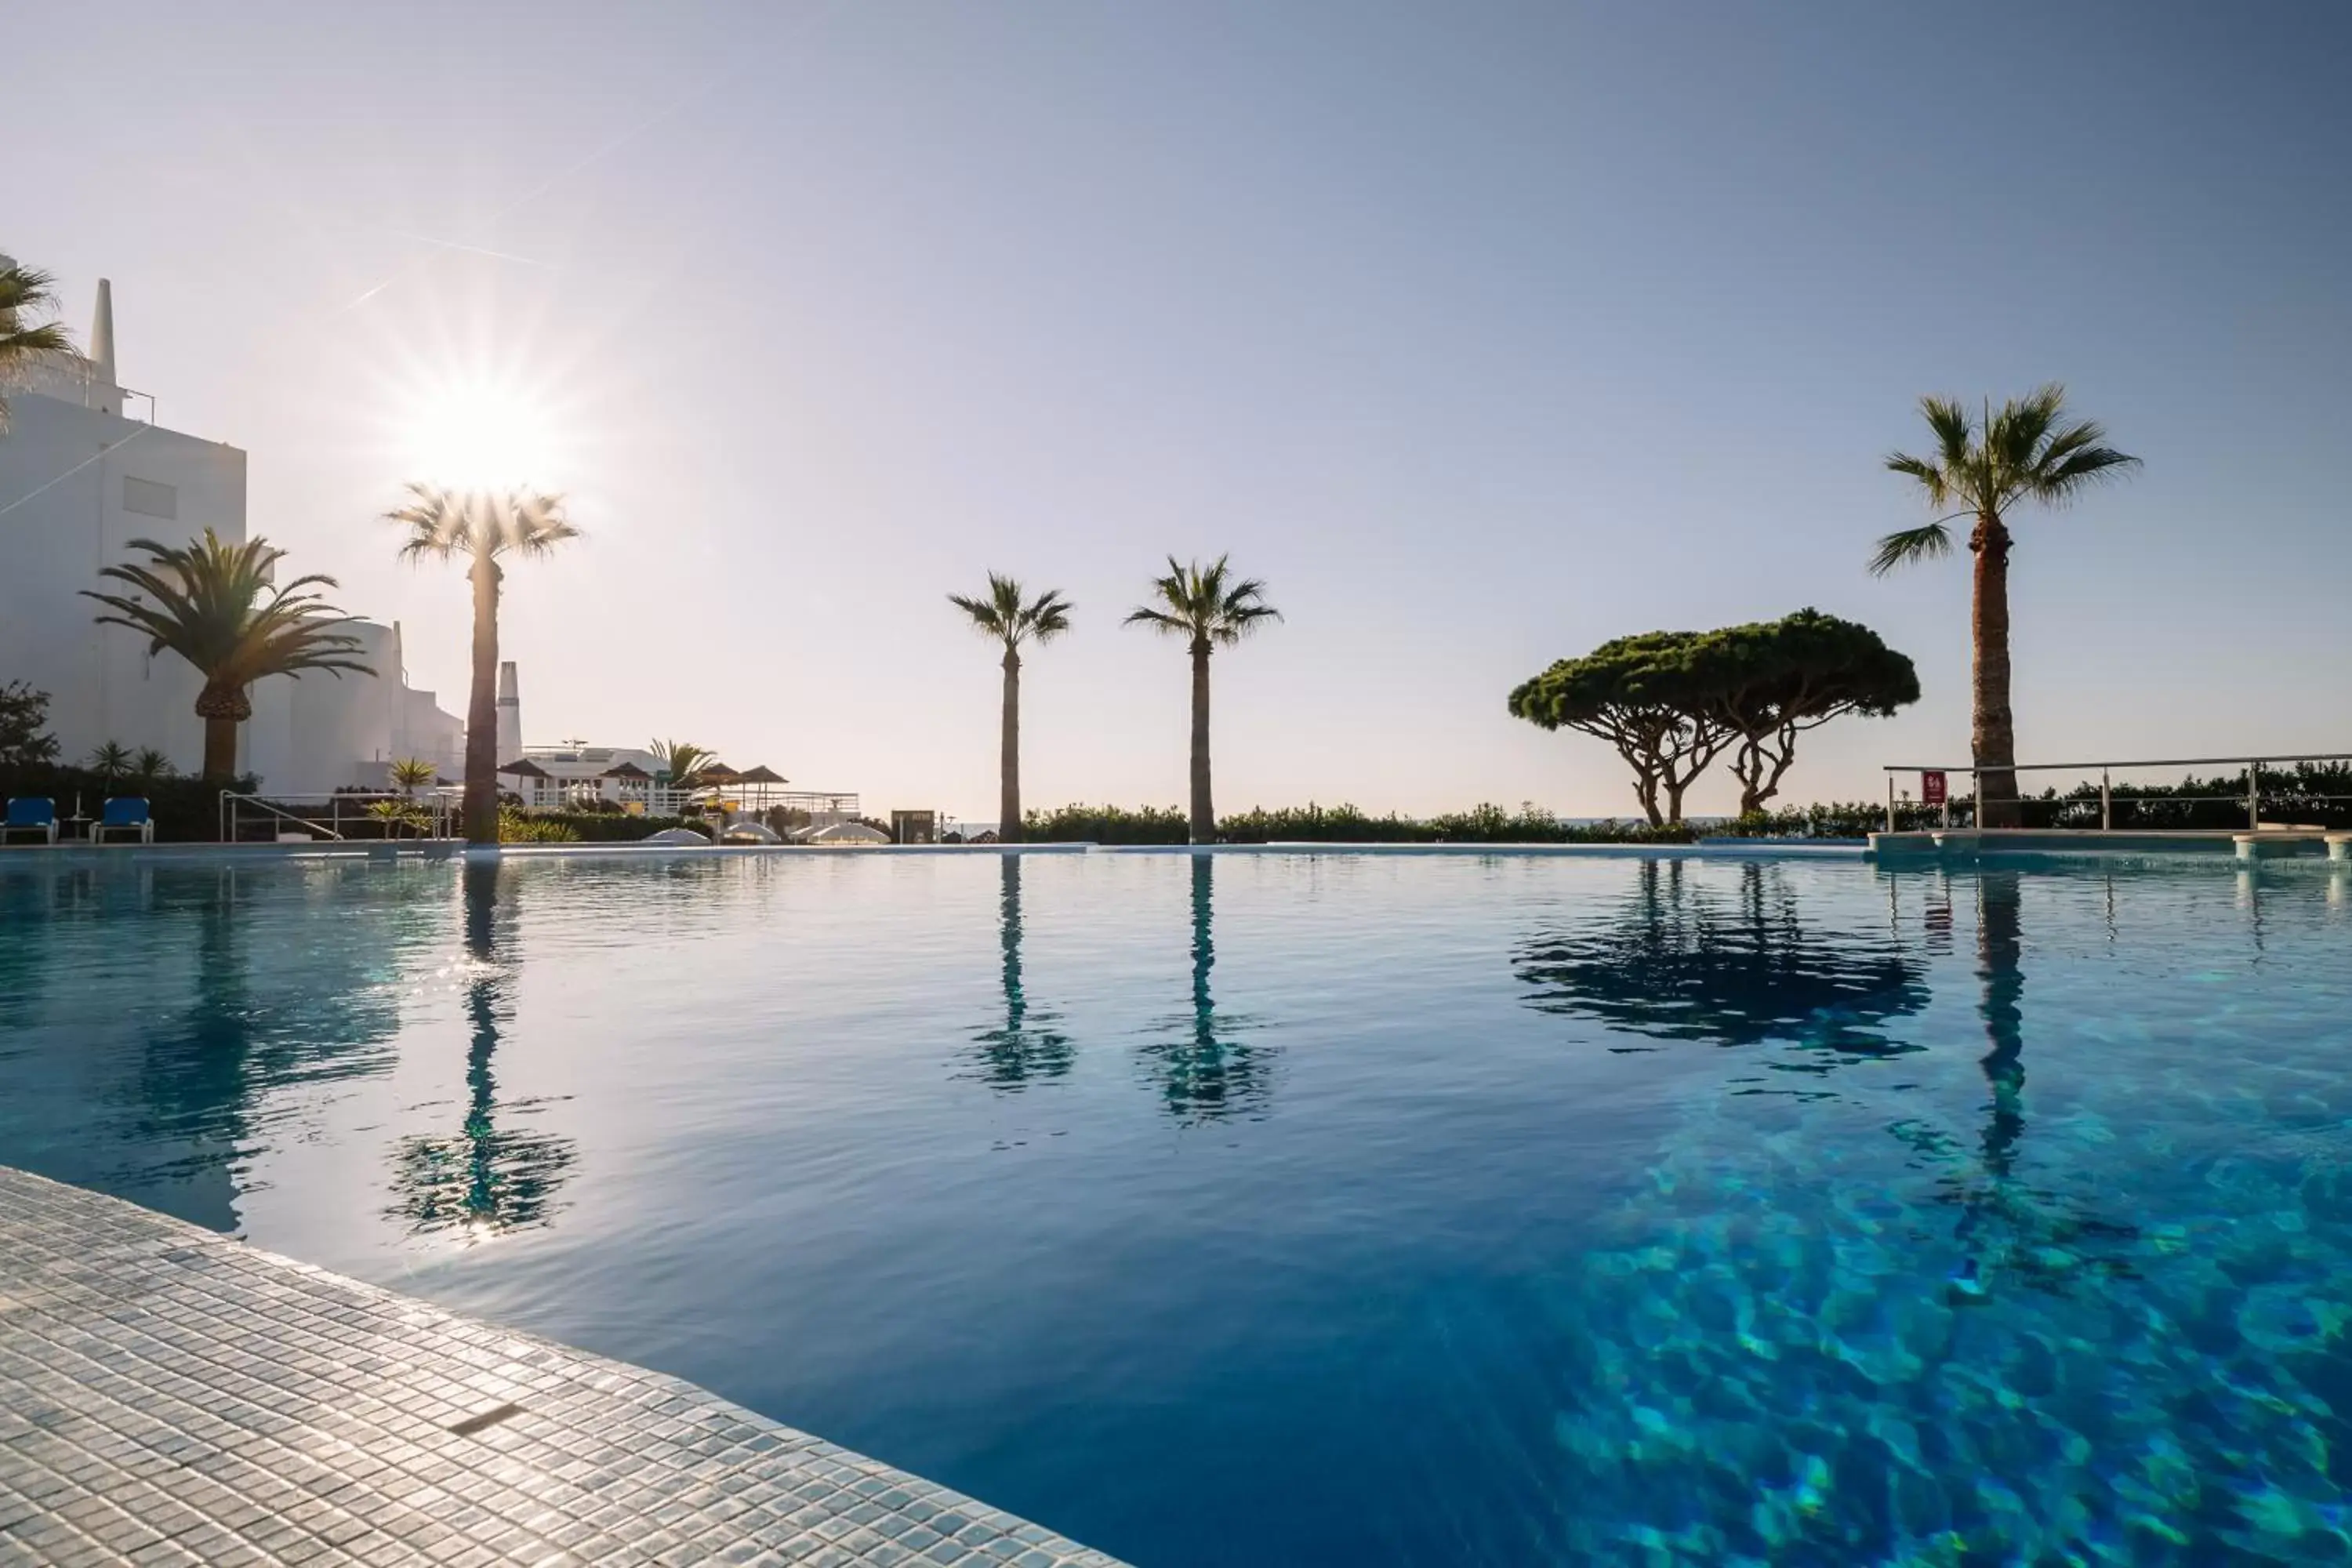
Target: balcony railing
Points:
x,y
2287,781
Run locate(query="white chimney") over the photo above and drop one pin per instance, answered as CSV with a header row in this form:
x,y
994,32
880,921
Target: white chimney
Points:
x,y
510,713
101,336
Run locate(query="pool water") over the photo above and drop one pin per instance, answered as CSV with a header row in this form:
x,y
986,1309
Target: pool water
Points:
x,y
1258,1209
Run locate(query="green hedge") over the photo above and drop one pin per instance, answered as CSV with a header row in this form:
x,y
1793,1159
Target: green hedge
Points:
x,y
186,810
1342,824
604,827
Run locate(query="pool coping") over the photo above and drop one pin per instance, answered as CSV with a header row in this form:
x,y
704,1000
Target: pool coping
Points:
x,y
178,1396
84,854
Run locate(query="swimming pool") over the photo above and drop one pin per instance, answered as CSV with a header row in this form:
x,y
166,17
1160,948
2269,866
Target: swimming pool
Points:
x,y
1318,1208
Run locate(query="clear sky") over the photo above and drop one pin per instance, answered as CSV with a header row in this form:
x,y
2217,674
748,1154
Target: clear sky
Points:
x,y
1483,333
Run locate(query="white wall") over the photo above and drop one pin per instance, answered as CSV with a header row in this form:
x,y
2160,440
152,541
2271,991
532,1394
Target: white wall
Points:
x,y
317,733
101,684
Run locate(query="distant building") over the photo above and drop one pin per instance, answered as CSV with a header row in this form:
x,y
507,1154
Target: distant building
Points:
x,y
80,479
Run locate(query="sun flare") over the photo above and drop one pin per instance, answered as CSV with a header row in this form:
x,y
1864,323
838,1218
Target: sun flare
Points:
x,y
481,433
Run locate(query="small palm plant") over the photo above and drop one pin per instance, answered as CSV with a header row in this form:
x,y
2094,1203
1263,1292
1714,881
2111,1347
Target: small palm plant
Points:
x,y
215,606
683,761
1010,616
1209,608
410,774
481,526
149,764
2028,450
112,761
25,293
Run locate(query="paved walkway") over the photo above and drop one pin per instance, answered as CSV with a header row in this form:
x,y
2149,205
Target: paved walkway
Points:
x,y
168,1395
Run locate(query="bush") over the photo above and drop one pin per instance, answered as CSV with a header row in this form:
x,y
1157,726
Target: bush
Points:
x,y
1845,819
523,827
591,827
1341,824
1106,825
186,810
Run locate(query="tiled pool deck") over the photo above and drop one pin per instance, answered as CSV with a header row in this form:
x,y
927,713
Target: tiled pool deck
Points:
x,y
168,1395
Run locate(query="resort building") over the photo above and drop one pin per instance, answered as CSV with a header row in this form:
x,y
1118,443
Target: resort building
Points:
x,y
81,475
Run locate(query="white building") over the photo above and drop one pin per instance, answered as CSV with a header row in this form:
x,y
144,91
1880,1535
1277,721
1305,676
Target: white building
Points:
x,y
80,479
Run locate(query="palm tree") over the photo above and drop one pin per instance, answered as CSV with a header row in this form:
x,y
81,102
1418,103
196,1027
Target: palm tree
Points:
x,y
25,291
112,761
410,774
1209,609
481,525
683,759
1012,618
2027,450
215,606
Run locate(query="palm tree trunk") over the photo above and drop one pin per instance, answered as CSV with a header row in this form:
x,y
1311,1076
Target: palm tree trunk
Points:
x,y
1204,813
1008,804
482,757
223,708
1993,734
220,750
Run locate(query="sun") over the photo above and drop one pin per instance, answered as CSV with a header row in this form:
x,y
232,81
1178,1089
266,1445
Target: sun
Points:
x,y
480,432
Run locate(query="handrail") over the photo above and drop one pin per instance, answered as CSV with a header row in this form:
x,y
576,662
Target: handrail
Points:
x,y
2254,766
2078,767
330,822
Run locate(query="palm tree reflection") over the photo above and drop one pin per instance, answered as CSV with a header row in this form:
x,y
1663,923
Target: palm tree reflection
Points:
x,y
1999,968
2010,1228
1680,960
206,1072
1027,1047
1208,1071
483,1180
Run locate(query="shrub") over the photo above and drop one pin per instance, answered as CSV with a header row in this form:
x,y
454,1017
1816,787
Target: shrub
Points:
x,y
186,810
523,827
1106,825
25,738
598,827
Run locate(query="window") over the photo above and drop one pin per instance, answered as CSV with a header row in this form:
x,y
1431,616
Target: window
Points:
x,y
149,499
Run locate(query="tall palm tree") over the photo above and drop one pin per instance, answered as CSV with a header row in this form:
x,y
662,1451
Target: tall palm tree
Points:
x,y
2029,449
481,526
215,606
1012,618
1209,608
25,291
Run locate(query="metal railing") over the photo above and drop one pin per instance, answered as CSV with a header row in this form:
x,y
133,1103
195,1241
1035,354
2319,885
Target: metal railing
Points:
x,y
278,816
2107,770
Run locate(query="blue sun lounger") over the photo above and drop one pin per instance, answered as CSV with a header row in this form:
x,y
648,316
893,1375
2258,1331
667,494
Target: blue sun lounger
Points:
x,y
124,814
30,814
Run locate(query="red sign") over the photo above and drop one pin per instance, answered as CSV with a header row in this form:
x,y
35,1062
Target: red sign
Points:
x,y
1932,789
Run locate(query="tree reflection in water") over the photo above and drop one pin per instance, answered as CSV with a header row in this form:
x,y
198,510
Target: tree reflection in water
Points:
x,y
206,1074
1683,961
1027,1047
483,1180
1208,1070
2009,1226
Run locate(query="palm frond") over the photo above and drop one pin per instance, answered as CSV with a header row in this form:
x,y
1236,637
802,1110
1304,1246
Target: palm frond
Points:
x,y
1950,425
1009,614
2093,465
1158,620
483,524
1047,615
984,613
1930,476
1201,603
1926,542
214,605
